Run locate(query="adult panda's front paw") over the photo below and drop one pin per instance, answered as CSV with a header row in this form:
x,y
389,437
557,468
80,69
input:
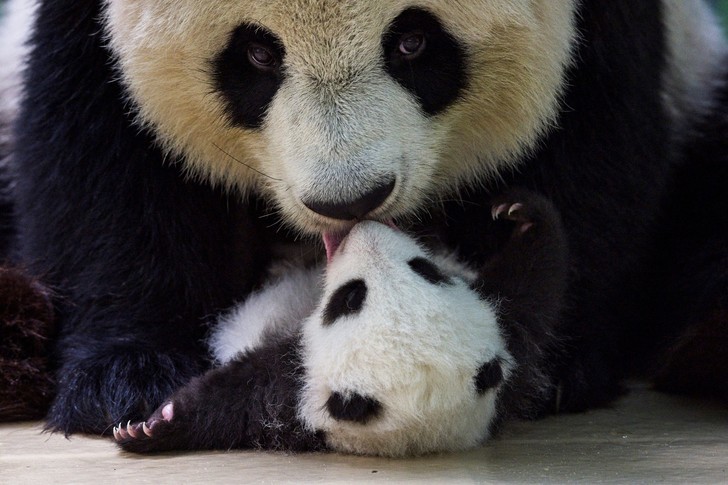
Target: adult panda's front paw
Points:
x,y
402,356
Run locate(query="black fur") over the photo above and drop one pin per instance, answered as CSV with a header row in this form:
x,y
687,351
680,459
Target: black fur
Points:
x,y
140,256
7,209
347,300
248,90
7,204
353,407
489,375
249,403
526,272
428,271
26,330
438,75
688,295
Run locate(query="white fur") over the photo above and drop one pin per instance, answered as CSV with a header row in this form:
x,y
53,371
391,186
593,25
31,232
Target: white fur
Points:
x,y
278,308
339,123
15,29
697,49
415,346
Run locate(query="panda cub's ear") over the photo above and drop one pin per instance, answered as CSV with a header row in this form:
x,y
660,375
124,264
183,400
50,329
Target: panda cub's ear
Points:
x,y
429,271
489,376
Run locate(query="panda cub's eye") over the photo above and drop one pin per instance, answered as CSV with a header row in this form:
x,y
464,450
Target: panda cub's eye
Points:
x,y
262,57
412,44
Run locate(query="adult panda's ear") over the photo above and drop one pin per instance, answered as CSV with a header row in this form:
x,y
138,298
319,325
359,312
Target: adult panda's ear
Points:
x,y
425,59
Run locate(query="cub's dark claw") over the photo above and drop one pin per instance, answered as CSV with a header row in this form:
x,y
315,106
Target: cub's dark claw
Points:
x,y
515,212
509,211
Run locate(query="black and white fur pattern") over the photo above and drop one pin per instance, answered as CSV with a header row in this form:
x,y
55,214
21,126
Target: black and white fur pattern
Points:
x,y
392,354
397,353
403,357
151,158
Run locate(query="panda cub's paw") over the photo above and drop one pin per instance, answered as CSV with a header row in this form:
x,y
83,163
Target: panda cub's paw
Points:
x,y
524,218
401,356
162,431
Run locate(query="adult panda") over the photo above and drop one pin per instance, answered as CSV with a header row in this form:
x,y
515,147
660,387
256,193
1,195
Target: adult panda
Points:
x,y
167,152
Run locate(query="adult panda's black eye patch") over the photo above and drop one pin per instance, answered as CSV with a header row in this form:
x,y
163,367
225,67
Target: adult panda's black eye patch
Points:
x,y
437,74
347,300
247,73
428,271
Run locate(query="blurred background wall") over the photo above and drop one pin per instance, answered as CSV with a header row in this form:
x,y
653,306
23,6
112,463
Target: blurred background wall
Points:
x,y
720,5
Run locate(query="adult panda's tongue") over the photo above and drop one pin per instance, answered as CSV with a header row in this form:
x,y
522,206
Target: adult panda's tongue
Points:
x,y
332,240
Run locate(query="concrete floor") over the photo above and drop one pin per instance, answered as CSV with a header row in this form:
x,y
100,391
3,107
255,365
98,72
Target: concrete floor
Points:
x,y
646,437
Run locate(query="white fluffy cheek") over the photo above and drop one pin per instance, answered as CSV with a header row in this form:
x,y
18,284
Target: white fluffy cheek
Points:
x,y
333,144
164,52
419,362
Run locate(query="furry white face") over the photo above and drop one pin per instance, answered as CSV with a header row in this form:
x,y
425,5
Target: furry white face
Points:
x,y
401,357
344,109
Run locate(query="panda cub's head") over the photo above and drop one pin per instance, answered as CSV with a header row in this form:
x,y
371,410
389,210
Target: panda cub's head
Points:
x,y
401,356
337,110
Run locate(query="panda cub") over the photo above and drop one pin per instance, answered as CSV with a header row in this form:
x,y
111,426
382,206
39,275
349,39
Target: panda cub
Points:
x,y
402,356
390,348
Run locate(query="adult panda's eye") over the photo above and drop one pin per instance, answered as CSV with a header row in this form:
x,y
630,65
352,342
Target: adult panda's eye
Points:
x,y
411,45
262,57
247,73
425,59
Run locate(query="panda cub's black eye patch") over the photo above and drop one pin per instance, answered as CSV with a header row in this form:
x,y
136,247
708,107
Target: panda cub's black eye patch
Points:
x,y
356,408
428,271
247,73
347,300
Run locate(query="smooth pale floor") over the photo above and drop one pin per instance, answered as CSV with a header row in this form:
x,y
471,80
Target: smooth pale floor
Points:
x,y
645,437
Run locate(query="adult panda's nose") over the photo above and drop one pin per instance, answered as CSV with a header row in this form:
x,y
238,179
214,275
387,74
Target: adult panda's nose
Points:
x,y
353,209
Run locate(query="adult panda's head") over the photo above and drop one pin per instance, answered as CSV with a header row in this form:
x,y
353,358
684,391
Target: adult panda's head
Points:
x,y
337,110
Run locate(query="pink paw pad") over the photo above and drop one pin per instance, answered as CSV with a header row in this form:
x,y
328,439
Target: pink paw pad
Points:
x,y
168,412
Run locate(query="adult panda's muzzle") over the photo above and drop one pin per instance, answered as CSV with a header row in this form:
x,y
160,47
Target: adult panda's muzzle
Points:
x,y
357,209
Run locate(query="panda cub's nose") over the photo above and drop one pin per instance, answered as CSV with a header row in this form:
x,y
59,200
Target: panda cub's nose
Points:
x,y
353,209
